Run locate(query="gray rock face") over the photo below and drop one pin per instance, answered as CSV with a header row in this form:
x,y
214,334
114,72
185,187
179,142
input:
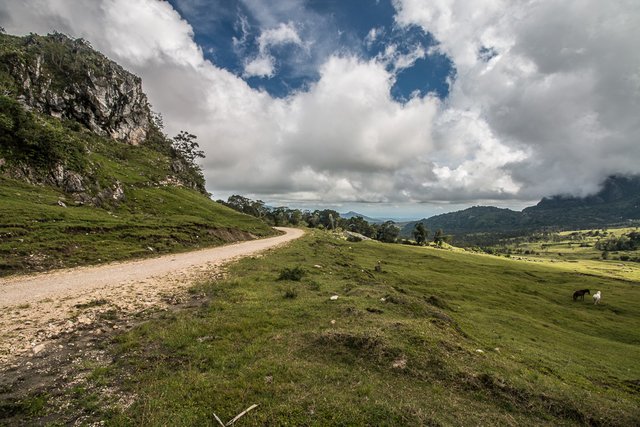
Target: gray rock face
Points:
x,y
93,90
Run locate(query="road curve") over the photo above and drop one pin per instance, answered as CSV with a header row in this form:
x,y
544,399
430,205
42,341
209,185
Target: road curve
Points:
x,y
77,281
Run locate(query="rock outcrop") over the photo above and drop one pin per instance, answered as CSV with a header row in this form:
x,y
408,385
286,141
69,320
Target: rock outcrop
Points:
x,y
66,78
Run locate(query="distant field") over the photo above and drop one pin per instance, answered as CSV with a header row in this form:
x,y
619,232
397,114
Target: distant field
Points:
x,y
576,251
437,337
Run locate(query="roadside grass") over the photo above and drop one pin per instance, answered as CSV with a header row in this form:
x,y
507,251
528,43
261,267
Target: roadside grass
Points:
x,y
42,228
436,337
37,234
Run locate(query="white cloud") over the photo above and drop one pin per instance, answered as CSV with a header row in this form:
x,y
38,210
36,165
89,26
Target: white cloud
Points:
x,y
554,110
399,61
373,35
263,65
561,87
260,66
282,34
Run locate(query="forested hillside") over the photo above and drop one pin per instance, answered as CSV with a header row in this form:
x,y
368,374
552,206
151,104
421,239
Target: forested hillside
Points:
x,y
617,203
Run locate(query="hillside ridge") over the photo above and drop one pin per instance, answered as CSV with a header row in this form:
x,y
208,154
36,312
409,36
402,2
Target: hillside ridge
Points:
x,y
618,202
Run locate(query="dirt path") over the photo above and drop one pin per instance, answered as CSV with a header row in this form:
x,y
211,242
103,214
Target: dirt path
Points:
x,y
36,309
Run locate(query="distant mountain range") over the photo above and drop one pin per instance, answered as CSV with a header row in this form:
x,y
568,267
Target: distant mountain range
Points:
x,y
352,214
618,202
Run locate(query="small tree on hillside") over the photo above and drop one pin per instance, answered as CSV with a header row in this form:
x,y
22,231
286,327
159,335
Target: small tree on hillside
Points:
x,y
185,146
439,237
420,233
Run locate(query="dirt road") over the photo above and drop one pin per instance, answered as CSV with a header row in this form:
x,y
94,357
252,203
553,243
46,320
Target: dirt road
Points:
x,y
36,309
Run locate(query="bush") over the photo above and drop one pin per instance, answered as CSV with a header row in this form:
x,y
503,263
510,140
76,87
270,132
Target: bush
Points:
x,y
295,274
290,293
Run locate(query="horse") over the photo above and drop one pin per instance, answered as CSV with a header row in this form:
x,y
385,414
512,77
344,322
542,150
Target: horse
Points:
x,y
596,297
580,294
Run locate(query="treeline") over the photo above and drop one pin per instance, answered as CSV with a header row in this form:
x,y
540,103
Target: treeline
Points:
x,y
328,219
626,242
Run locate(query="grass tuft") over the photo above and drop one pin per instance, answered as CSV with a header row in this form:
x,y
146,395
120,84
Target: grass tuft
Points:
x,y
294,274
290,293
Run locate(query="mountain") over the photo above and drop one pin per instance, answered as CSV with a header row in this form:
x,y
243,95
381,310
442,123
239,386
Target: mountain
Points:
x,y
86,173
352,214
477,218
616,203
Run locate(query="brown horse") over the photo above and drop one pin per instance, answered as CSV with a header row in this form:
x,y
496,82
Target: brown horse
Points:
x,y
580,294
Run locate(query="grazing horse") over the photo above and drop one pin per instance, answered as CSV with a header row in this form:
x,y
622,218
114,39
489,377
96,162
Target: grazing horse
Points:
x,y
580,294
596,297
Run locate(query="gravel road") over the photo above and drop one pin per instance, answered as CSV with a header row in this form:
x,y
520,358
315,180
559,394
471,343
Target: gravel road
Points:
x,y
36,308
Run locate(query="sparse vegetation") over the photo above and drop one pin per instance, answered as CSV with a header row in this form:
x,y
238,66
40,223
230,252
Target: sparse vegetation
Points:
x,y
294,274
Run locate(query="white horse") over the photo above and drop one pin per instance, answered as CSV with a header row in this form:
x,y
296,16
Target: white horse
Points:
x,y
596,297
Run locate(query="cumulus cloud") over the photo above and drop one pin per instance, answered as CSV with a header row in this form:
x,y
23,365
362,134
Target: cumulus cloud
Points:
x,y
263,65
343,139
558,86
545,100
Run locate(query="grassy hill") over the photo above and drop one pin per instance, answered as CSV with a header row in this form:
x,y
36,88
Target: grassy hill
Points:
x,y
126,210
437,337
125,201
37,234
86,175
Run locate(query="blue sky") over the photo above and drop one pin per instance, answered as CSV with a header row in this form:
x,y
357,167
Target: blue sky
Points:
x,y
401,108
325,27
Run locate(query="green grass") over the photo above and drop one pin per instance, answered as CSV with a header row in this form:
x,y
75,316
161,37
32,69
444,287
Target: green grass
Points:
x,y
38,234
399,346
42,228
575,251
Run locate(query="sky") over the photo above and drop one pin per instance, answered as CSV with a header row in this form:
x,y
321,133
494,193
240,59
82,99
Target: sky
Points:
x,y
393,108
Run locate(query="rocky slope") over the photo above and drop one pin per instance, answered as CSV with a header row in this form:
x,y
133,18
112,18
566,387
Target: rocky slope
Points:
x,y
60,103
86,175
67,79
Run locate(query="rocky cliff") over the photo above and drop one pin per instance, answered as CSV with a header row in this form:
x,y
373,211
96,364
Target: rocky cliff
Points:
x,y
67,79
72,119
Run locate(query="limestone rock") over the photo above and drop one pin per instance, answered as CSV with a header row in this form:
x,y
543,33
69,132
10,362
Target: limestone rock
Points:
x,y
98,93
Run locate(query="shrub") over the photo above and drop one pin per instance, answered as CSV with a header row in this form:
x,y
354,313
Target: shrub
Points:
x,y
295,274
290,293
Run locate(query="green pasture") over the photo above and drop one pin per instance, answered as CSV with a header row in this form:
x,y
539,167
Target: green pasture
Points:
x,y
432,337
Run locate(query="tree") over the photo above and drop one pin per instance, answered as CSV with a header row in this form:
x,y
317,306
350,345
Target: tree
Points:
x,y
294,216
185,146
388,232
439,237
357,224
327,218
420,233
